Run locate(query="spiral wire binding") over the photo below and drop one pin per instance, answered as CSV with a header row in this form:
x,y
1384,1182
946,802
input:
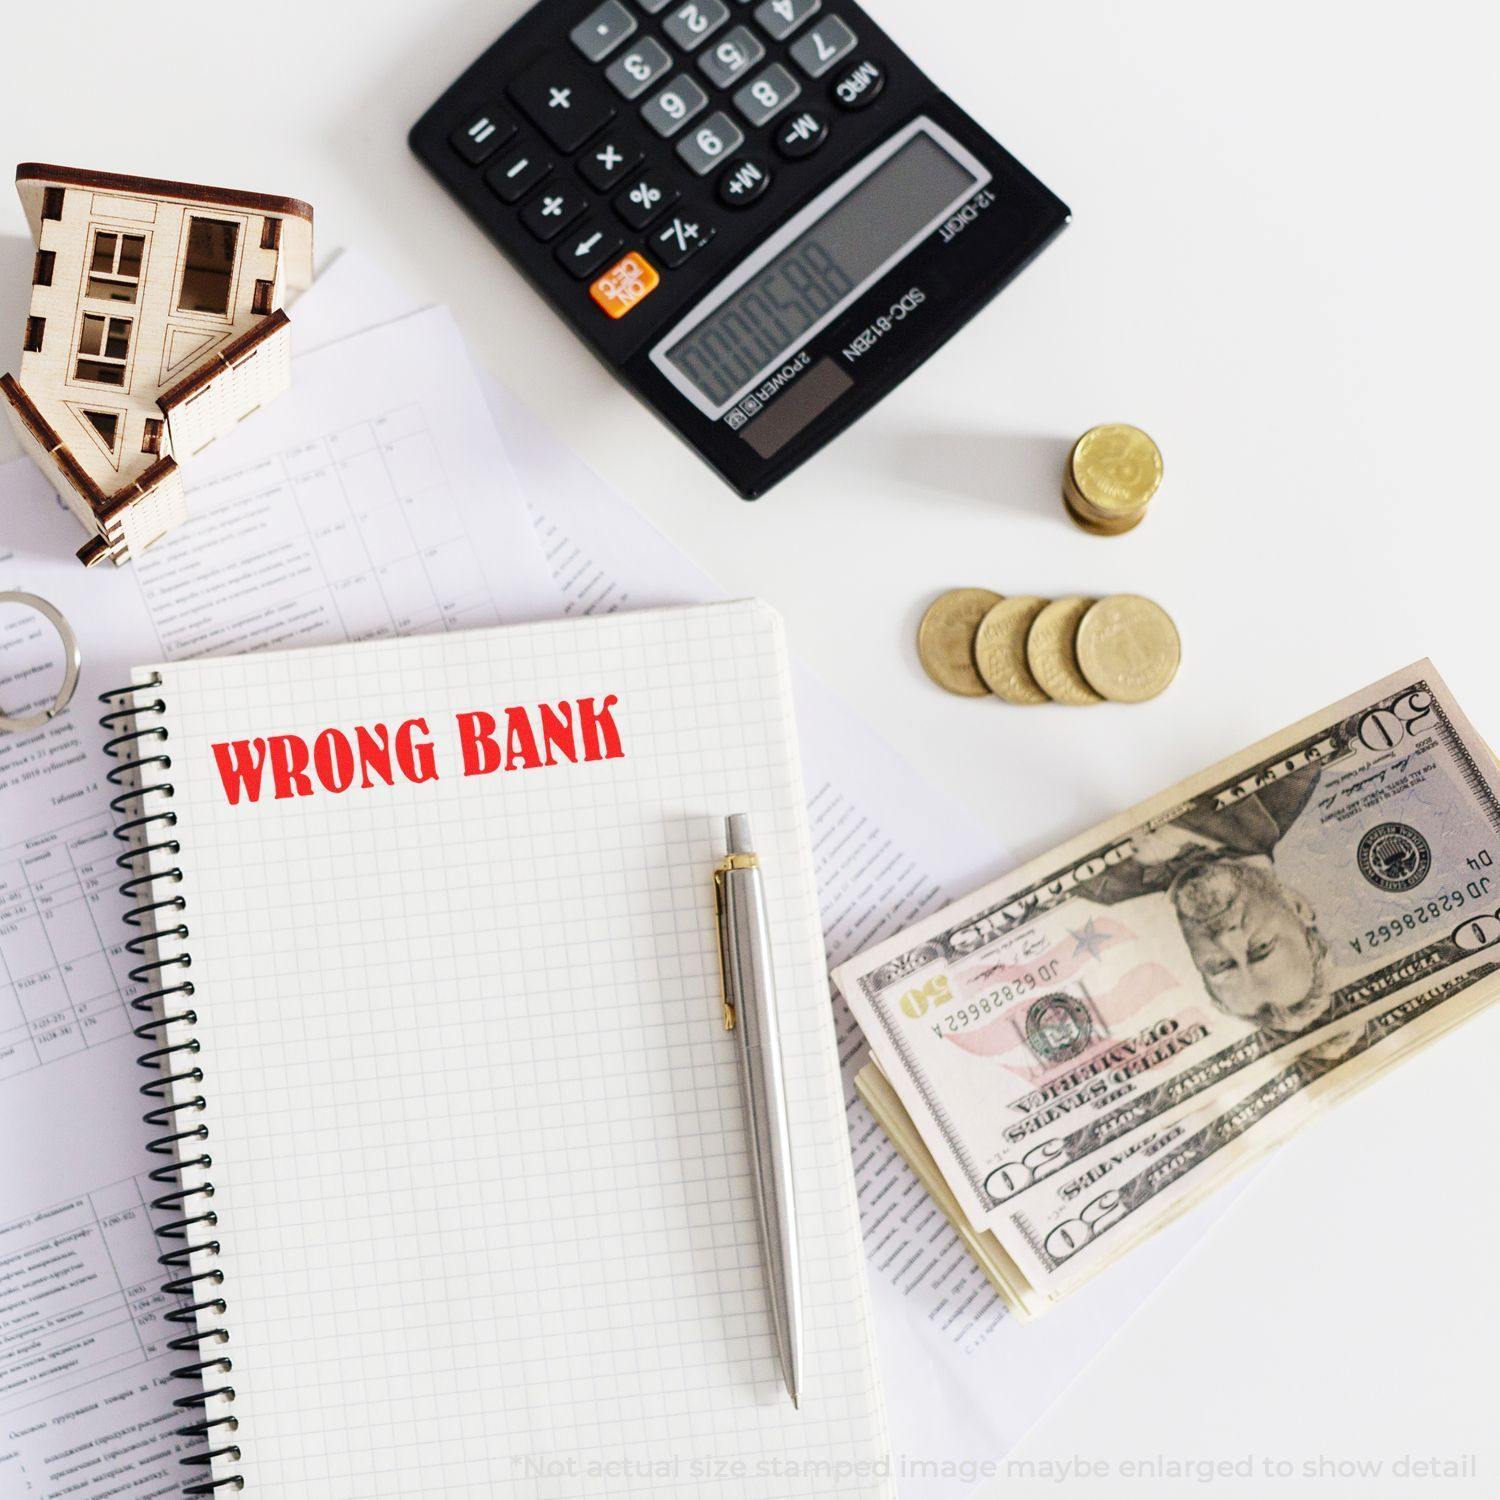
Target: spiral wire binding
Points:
x,y
144,827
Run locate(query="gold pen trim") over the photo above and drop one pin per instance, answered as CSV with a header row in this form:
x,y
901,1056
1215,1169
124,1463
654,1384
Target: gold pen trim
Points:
x,y
731,862
729,1016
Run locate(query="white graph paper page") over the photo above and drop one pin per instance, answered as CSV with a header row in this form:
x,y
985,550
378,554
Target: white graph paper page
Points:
x,y
477,1139
964,1381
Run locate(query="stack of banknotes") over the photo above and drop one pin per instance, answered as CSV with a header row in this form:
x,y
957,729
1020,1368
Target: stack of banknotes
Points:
x,y
1078,1053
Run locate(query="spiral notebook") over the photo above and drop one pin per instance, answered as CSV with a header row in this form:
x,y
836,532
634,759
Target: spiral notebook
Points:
x,y
456,1155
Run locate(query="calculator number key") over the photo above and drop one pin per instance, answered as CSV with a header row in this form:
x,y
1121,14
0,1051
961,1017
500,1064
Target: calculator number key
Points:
x,y
710,145
629,281
767,95
823,46
679,238
692,24
782,17
737,53
601,31
515,174
551,211
645,198
584,250
563,101
608,160
482,135
635,71
667,112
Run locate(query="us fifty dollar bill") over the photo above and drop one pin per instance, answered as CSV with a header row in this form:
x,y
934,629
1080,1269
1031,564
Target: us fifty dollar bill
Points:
x,y
1054,1029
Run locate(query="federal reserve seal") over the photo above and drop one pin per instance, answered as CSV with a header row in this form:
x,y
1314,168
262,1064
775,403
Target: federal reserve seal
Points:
x,y
1394,857
1058,1028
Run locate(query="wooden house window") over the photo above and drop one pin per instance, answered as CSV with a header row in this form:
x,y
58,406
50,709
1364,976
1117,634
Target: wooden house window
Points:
x,y
46,262
151,438
103,349
36,331
270,234
52,203
107,425
115,266
208,272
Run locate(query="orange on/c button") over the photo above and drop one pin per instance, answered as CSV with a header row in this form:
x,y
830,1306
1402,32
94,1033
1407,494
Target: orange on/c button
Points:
x,y
631,279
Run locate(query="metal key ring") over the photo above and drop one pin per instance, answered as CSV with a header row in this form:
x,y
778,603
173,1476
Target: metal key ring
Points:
x,y
70,671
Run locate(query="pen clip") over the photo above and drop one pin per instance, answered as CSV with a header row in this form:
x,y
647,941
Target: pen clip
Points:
x,y
731,862
723,937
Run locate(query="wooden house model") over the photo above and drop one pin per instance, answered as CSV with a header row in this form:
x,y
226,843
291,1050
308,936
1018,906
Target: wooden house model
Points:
x,y
155,325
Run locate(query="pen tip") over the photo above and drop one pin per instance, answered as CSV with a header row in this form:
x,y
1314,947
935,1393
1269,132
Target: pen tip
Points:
x,y
737,834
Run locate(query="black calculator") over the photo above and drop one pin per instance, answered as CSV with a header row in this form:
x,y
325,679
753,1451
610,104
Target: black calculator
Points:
x,y
758,213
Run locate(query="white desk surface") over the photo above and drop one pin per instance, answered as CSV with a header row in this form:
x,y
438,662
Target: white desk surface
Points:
x,y
1282,265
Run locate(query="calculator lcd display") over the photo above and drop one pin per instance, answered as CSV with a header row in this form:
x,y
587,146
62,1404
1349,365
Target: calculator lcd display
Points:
x,y
817,265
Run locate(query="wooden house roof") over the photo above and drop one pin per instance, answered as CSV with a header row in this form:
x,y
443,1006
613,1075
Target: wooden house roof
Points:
x,y
33,178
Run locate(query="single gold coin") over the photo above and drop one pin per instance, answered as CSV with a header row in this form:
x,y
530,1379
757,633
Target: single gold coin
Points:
x,y
1128,648
1000,649
1052,657
1114,471
945,639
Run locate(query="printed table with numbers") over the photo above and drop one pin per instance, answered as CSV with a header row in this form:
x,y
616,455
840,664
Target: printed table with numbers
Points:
x,y
61,978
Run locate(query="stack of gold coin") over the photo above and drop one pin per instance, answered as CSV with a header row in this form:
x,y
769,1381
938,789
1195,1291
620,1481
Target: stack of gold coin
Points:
x,y
1028,650
1112,473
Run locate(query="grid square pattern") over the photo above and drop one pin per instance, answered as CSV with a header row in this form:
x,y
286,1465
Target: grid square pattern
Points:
x,y
479,1154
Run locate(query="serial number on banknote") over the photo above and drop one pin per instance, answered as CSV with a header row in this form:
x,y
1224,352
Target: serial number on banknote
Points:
x,y
936,995
1431,910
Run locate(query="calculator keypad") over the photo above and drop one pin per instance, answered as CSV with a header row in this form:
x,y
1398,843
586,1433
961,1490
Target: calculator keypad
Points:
x,y
667,112
600,32
699,76
683,235
633,72
646,198
803,134
482,135
782,17
765,97
735,55
711,144
563,100
629,281
817,51
860,86
608,159
743,181
552,210
690,25
585,249
517,172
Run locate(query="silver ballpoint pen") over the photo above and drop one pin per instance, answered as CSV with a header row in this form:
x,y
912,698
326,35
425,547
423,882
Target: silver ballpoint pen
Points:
x,y
750,1012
